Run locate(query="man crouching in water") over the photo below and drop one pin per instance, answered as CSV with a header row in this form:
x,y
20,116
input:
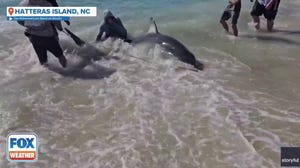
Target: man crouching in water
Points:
x,y
43,35
112,27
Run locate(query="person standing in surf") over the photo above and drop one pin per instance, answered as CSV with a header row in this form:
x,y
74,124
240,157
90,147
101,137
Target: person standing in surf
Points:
x,y
235,7
267,7
43,35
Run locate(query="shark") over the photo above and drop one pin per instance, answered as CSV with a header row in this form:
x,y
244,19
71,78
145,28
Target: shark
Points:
x,y
169,44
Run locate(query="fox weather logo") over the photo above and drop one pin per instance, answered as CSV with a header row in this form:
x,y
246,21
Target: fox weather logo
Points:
x,y
22,147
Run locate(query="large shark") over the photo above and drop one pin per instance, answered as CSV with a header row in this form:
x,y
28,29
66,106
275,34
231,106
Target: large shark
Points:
x,y
82,66
170,44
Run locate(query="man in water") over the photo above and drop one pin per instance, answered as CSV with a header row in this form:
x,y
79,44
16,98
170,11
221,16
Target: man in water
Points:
x,y
267,7
43,35
235,6
112,27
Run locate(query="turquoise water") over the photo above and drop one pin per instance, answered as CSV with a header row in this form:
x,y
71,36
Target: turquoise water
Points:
x,y
237,113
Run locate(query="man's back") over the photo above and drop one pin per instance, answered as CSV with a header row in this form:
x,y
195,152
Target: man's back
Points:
x,y
118,30
39,28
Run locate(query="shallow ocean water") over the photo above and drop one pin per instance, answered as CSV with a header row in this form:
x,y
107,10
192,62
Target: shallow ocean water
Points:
x,y
135,113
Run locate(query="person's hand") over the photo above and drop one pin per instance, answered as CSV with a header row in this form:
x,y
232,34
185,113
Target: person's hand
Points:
x,y
60,29
67,22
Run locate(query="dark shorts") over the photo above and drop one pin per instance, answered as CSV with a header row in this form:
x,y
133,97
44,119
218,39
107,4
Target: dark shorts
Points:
x,y
43,44
259,10
236,13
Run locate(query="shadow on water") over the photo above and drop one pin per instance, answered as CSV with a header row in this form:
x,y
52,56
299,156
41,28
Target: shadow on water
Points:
x,y
92,71
269,38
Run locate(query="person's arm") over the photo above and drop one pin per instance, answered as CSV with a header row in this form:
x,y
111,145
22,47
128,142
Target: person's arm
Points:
x,y
58,25
271,4
23,3
102,35
55,4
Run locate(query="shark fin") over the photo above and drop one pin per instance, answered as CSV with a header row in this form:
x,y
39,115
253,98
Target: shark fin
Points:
x,y
153,27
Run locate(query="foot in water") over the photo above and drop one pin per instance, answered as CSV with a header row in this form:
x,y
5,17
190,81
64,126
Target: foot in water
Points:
x,y
63,61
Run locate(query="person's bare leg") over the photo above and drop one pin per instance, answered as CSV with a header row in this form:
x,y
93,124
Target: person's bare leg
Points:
x,y
225,25
256,20
235,30
270,24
